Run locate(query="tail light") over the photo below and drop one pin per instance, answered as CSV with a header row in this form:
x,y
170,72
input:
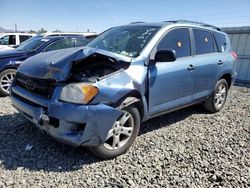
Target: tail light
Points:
x,y
234,55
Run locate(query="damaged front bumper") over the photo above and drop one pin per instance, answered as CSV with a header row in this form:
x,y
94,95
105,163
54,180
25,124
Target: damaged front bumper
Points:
x,y
73,124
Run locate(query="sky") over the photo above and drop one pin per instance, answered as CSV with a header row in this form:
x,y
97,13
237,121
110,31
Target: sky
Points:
x,y
99,15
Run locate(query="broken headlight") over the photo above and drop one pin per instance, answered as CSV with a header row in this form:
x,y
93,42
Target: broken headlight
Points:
x,y
80,93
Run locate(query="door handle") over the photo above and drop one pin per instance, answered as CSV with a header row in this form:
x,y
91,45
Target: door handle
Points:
x,y
190,67
220,62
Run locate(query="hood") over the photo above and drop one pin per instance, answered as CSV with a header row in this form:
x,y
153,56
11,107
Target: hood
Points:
x,y
11,54
56,65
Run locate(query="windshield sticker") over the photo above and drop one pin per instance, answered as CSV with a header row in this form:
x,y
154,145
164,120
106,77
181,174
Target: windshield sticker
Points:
x,y
179,44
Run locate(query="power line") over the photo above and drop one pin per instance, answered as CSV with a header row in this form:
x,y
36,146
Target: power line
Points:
x,y
229,18
234,22
216,14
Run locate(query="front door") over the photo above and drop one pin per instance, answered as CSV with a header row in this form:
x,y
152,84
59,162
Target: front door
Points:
x,y
171,83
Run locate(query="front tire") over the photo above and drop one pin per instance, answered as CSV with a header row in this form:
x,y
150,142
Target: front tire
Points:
x,y
121,136
6,78
218,98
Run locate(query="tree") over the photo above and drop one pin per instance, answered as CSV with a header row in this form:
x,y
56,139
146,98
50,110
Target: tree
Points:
x,y
56,31
32,31
41,31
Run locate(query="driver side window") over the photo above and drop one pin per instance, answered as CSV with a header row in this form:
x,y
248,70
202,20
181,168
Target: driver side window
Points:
x,y
117,41
178,40
61,44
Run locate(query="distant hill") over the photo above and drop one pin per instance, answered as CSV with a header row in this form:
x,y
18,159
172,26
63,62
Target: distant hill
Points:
x,y
3,30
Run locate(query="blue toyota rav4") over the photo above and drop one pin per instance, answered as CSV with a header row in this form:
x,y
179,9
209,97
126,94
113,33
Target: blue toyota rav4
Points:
x,y
98,95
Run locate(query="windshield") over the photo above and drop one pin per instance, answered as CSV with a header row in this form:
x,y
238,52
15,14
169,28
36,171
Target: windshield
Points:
x,y
31,38
124,40
32,44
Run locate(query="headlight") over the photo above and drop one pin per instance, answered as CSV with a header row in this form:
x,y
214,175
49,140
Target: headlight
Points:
x,y
80,93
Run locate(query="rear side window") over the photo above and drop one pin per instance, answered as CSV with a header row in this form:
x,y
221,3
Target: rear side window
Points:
x,y
65,43
23,38
221,41
204,43
81,42
178,40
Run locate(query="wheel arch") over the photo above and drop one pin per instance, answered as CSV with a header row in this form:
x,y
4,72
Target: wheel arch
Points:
x,y
227,77
8,66
132,98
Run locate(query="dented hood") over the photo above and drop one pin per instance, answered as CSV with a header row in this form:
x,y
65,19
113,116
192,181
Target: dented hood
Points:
x,y
56,65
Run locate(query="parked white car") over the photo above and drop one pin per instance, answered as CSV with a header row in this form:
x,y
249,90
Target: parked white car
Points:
x,y
8,40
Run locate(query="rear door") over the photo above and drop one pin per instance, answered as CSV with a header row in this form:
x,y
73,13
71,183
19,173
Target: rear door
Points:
x,y
207,62
171,83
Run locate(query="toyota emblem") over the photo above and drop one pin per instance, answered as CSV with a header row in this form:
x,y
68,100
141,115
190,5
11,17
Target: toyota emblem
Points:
x,y
30,85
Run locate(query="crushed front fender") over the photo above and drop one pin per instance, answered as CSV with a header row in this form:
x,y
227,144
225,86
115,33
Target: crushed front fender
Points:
x,y
98,120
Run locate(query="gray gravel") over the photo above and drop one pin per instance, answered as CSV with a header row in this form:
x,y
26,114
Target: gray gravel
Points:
x,y
188,148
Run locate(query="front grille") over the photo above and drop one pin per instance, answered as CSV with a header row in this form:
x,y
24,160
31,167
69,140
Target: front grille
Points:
x,y
38,86
26,100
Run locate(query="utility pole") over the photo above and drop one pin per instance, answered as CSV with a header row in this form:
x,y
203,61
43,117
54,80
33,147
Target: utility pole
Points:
x,y
15,28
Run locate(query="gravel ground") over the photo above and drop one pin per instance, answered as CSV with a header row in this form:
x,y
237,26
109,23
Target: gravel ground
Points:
x,y
187,148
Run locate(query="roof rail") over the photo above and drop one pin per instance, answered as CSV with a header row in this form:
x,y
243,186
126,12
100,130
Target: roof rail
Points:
x,y
136,22
197,23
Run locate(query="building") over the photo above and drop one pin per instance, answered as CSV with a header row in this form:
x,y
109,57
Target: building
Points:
x,y
240,41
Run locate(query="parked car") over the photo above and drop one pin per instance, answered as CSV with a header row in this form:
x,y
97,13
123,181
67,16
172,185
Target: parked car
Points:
x,y
10,60
8,40
98,95
87,35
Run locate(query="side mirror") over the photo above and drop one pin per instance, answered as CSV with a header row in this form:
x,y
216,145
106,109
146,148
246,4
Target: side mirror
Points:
x,y
165,55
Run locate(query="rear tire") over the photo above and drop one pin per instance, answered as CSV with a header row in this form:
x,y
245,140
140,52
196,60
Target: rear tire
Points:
x,y
6,78
218,98
121,136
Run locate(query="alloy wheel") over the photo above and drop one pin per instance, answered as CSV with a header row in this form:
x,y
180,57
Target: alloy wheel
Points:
x,y
220,96
6,81
120,133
